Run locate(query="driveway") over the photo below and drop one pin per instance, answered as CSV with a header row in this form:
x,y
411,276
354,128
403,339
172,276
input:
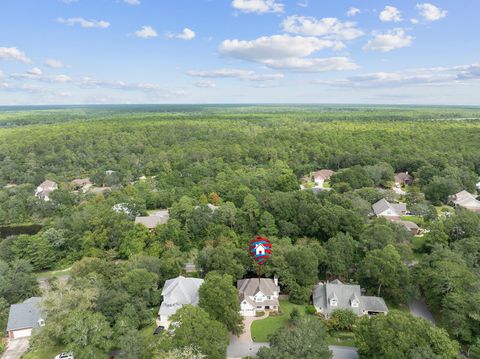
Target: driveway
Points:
x,y
419,308
15,348
243,345
344,352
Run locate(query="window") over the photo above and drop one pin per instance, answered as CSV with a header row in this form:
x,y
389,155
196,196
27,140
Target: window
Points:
x,y
41,322
269,297
259,307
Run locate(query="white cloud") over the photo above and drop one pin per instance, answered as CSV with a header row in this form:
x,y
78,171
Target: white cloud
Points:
x,y
390,13
38,75
388,41
146,32
430,12
205,84
88,24
257,6
56,64
353,11
423,76
132,2
186,34
287,52
328,27
68,1
12,53
235,73
414,21
303,3
276,46
312,64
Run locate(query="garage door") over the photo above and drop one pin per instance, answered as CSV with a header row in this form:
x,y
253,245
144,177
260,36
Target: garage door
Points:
x,y
22,333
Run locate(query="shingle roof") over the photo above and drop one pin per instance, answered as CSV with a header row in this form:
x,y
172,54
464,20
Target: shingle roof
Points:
x,y
251,286
25,315
408,224
403,177
82,181
323,174
48,184
344,294
178,292
383,205
160,217
466,199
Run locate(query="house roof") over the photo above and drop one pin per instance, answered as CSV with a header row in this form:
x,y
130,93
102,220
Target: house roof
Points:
x,y
344,294
466,199
323,174
403,177
25,315
408,225
153,221
82,182
251,286
179,291
48,184
383,205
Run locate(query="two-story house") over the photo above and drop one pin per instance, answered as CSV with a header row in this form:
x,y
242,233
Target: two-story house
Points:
x,y
258,294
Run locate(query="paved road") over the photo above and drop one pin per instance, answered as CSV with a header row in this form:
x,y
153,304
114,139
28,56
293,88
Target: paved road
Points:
x,y
344,352
16,348
240,350
419,308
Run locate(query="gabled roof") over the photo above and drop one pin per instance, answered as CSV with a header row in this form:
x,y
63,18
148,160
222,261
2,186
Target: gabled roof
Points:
x,y
251,286
160,217
179,291
466,199
25,315
82,182
47,184
323,174
383,205
403,177
408,225
344,295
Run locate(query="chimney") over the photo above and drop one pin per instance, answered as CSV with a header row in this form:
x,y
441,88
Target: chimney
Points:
x,y
275,280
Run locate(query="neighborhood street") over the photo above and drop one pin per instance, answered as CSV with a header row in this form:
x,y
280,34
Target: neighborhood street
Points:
x,y
344,352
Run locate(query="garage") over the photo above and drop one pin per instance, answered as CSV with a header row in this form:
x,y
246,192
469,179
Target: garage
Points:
x,y
20,333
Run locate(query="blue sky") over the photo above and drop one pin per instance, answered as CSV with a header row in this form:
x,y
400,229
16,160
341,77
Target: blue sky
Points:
x,y
239,51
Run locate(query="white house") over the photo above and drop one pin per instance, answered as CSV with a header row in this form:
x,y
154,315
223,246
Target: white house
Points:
x,y
24,317
383,208
176,293
44,189
319,177
258,294
333,295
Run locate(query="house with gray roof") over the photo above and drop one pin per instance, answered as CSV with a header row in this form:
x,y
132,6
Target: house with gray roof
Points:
x,y
176,293
465,200
258,294
154,220
383,208
24,317
403,179
44,189
319,177
330,296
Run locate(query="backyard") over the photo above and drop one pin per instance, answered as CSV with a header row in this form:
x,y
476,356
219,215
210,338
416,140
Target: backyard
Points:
x,y
262,329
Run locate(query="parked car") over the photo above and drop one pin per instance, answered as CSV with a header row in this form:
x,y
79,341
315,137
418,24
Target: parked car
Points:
x,y
159,329
69,355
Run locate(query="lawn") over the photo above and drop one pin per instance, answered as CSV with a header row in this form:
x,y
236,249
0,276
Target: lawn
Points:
x,y
262,329
53,273
46,352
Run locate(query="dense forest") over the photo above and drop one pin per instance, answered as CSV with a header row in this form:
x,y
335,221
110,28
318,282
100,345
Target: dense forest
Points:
x,y
249,162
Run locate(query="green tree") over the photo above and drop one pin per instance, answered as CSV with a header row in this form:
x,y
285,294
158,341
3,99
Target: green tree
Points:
x,y
196,328
219,298
342,319
384,272
303,338
87,334
341,255
412,336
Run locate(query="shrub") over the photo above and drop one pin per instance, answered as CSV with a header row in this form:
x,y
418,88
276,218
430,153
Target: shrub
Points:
x,y
342,319
259,313
310,309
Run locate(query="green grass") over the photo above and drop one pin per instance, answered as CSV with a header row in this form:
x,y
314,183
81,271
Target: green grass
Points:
x,y
262,329
346,339
415,219
53,273
46,352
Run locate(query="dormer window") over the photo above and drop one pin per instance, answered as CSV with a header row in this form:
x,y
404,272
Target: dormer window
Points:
x,y
355,303
333,300
41,322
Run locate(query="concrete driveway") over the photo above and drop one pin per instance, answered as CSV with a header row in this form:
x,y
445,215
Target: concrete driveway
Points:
x,y
15,348
340,352
419,308
243,345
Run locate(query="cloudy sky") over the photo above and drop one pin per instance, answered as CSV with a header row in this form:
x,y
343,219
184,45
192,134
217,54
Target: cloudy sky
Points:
x,y
239,51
